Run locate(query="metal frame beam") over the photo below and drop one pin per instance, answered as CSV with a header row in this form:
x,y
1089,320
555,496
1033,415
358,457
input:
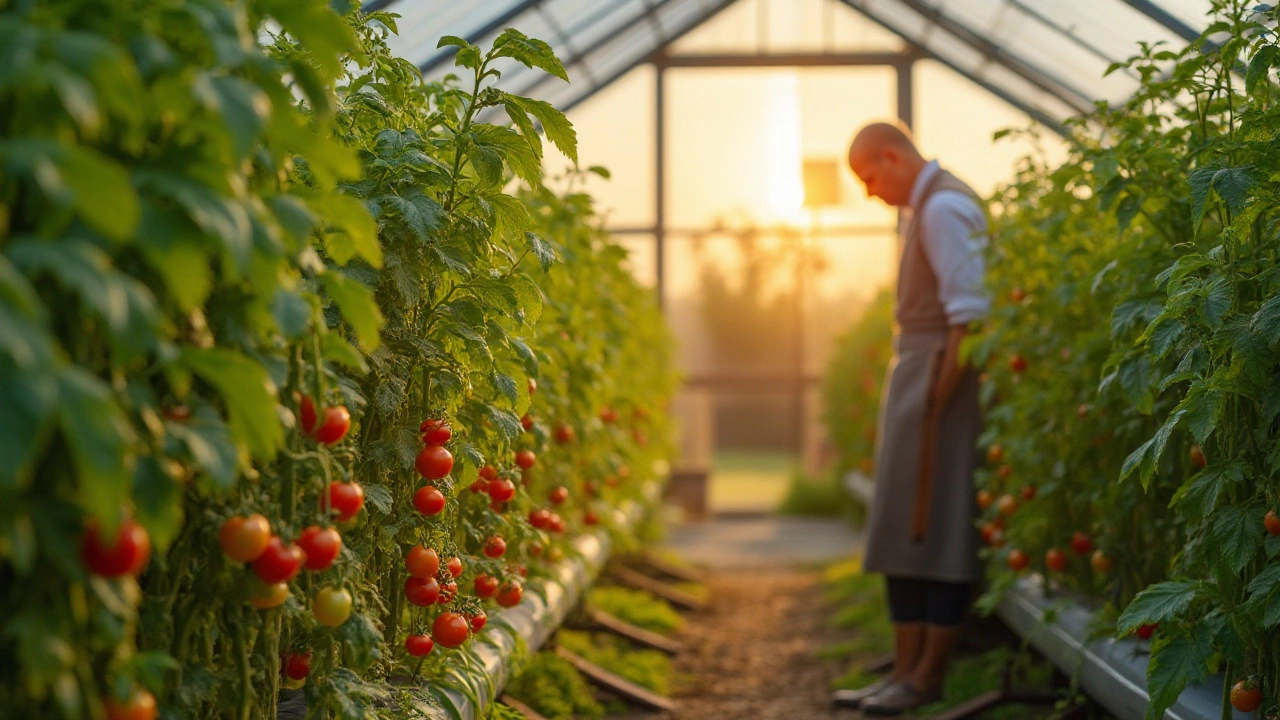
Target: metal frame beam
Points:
x,y
1162,16
376,5
737,60
1067,33
443,56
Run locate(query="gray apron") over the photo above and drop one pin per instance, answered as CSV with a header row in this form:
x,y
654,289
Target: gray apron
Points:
x,y
949,550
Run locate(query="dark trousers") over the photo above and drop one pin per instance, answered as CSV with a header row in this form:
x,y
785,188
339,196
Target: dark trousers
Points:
x,y
912,600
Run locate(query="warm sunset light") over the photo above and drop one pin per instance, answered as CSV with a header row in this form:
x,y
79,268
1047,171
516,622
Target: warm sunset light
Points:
x,y
782,143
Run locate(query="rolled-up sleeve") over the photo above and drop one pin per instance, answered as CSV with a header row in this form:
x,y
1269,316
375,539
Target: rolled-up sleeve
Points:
x,y
955,237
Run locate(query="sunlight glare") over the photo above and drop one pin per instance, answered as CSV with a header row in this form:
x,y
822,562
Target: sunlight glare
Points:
x,y
786,190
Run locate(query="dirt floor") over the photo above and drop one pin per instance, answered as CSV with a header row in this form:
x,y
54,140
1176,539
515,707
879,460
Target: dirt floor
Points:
x,y
753,653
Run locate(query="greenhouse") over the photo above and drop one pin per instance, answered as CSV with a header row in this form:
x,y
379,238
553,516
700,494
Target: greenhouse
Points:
x,y
500,359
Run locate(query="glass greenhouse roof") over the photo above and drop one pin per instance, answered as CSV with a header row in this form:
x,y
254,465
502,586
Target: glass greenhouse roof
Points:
x,y
1046,57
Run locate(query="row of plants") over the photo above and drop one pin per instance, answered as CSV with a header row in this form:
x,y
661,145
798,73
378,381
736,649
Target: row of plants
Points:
x,y
852,383
306,369
1133,355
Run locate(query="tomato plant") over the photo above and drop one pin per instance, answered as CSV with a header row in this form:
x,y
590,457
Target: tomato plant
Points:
x,y
450,629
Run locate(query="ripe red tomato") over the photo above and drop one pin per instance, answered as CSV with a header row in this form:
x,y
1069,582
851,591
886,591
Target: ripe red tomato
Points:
x,y
564,434
488,473
1028,492
1144,632
1017,363
428,501
1197,456
477,622
1101,562
280,562
244,538
142,706
434,462
510,595
346,499
608,415
479,486
177,413
306,414
455,566
337,421
435,432
419,645
1272,523
591,488
495,547
997,538
321,546
988,531
332,606
1055,560
995,454
448,592
1017,295
496,506
1006,505
486,586
422,591
525,459
1004,471
540,518
270,596
535,549
985,499
1246,696
557,523
559,495
526,422
590,518
502,490
423,562
450,629
126,554
1017,560
533,386
1081,543
297,665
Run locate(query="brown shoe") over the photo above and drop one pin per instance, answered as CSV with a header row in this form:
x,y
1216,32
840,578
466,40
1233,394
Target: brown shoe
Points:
x,y
899,698
852,699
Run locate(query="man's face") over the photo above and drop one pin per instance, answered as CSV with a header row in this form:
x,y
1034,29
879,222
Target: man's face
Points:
x,y
882,174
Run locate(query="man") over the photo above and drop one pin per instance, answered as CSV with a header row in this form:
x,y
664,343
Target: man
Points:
x,y
929,395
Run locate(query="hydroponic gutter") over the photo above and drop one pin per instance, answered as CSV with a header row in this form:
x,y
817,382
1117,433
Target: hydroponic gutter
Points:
x,y
485,667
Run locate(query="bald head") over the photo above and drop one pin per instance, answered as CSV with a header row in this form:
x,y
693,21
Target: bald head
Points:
x,y
887,162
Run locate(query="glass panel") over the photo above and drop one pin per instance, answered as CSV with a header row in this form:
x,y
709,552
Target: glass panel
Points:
x,y
642,258
734,29
1192,12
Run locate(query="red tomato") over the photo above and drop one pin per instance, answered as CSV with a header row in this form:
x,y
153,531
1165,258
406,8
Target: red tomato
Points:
x,y
486,586
557,523
126,554
346,499
419,645
488,473
270,596
641,439
540,518
244,538
450,629
591,489
1101,562
1017,363
279,563
428,501
477,622
455,566
624,471
989,531
535,549
448,592
479,486
177,413
1007,505
1055,560
337,421
1272,523
590,518
559,495
423,562
297,665
502,490
496,506
1004,471
1246,696
321,546
611,481
995,454
495,547
525,459
533,386
564,434
1017,295
985,499
435,432
422,591
510,595
1017,560
1197,456
306,414
997,537
1028,492
434,462
1145,631
332,606
1081,543
608,415
142,706
526,422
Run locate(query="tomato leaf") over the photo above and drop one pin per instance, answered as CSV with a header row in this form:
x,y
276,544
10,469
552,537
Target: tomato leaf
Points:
x,y
1236,532
531,52
1176,659
248,392
358,306
211,445
158,500
30,401
378,497
100,438
241,104
1198,496
1266,322
1265,596
1158,603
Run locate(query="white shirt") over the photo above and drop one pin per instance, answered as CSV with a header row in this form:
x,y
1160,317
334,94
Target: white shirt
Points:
x,y
954,239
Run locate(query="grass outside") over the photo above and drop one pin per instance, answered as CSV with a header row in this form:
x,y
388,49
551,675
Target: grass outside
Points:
x,y
745,480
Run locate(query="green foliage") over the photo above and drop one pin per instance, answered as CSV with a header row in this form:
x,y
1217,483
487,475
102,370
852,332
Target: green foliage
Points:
x,y
818,497
554,688
636,607
1148,328
647,668
852,384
